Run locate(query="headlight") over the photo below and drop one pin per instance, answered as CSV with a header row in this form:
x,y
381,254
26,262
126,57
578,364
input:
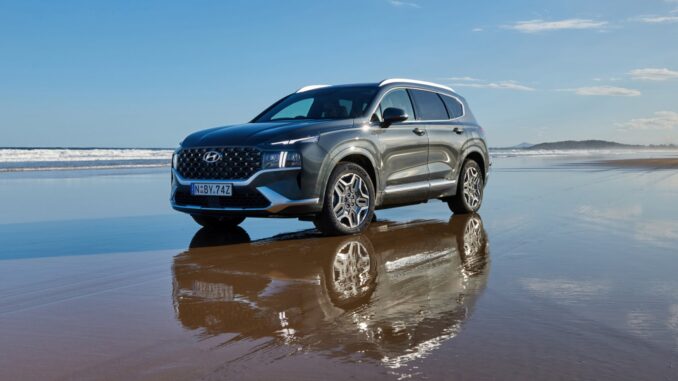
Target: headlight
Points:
x,y
282,159
308,139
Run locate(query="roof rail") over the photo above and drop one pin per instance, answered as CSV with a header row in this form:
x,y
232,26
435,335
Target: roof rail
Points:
x,y
396,80
311,87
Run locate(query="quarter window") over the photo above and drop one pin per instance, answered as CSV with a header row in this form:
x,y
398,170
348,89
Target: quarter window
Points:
x,y
429,105
454,107
399,99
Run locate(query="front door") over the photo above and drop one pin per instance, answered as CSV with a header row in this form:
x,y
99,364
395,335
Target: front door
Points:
x,y
404,148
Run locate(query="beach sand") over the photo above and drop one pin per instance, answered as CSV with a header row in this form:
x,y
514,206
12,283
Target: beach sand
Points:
x,y
567,272
644,163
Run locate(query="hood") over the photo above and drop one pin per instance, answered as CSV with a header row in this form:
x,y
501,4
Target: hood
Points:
x,y
253,134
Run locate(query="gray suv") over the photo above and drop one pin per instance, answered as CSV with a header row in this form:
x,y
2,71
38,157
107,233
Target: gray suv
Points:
x,y
334,154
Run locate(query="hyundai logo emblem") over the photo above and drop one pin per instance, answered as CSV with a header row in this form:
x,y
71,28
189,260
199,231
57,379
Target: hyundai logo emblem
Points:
x,y
211,157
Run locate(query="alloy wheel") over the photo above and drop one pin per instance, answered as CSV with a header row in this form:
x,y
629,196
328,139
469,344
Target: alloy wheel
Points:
x,y
473,187
351,200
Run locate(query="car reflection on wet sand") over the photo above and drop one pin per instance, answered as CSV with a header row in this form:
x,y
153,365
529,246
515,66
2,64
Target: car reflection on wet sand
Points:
x,y
392,294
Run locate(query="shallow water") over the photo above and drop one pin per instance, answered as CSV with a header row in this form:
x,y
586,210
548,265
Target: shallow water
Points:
x,y
568,272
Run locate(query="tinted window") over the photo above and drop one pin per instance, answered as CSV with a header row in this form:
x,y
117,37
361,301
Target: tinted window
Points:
x,y
398,99
454,107
294,110
429,106
324,103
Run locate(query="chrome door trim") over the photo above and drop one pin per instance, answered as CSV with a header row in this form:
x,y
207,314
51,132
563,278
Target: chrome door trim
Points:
x,y
406,187
442,184
432,185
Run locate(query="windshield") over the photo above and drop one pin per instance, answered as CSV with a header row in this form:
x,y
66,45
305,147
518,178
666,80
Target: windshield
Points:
x,y
325,103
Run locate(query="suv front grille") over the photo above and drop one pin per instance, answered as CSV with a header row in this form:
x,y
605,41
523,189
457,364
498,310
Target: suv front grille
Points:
x,y
237,163
242,197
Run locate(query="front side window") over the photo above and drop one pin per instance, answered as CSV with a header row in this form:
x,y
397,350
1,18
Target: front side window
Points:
x,y
398,99
429,105
324,103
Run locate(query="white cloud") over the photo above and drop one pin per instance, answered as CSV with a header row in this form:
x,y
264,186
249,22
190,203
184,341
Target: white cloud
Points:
x,y
477,29
504,85
604,91
662,120
609,79
462,79
657,19
408,4
535,26
653,74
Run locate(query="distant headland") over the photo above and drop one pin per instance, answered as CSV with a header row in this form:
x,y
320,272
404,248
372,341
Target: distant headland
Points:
x,y
584,145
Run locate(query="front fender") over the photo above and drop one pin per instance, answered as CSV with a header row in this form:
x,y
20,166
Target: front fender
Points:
x,y
364,148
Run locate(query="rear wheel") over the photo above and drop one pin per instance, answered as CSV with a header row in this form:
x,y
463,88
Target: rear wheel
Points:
x,y
469,195
348,206
217,221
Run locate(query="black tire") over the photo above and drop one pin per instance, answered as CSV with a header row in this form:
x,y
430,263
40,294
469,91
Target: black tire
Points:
x,y
327,221
218,221
211,237
470,187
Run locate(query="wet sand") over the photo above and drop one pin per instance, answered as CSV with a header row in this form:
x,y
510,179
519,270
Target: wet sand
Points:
x,y
645,163
568,272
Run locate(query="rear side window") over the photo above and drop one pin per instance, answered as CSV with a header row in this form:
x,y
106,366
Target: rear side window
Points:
x,y
398,99
429,105
454,107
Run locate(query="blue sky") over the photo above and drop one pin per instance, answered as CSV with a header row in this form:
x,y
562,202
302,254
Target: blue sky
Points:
x,y
146,73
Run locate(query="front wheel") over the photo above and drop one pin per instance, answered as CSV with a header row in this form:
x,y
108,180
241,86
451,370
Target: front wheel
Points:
x,y
469,195
218,221
349,201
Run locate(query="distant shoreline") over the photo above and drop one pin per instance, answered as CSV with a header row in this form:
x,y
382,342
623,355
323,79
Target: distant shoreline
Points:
x,y
82,168
589,145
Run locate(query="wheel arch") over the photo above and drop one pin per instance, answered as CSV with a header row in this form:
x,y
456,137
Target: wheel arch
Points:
x,y
476,153
353,154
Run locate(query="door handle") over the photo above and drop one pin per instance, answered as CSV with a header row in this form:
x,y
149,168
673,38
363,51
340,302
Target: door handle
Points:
x,y
419,131
458,130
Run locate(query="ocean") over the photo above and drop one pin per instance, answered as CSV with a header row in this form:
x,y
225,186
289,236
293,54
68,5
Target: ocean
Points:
x,y
35,159
31,159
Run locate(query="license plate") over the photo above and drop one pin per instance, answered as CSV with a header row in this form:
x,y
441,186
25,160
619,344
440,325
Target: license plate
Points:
x,y
211,189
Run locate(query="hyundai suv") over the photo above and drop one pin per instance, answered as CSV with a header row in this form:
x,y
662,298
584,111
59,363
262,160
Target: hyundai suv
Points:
x,y
334,154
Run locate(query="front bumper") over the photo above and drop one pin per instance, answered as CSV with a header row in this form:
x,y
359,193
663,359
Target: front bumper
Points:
x,y
267,192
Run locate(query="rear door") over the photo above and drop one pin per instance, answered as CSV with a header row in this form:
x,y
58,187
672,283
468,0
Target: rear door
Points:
x,y
404,148
445,139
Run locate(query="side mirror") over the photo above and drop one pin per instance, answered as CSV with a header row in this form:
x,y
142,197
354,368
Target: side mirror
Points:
x,y
393,115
